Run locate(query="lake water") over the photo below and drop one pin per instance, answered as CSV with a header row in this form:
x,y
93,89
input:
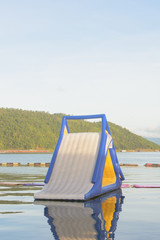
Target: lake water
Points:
x,y
129,213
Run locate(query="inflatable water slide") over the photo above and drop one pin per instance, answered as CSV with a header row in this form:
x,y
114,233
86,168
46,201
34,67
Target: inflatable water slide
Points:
x,y
84,165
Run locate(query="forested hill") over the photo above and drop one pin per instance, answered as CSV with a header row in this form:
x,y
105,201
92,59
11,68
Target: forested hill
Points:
x,y
21,129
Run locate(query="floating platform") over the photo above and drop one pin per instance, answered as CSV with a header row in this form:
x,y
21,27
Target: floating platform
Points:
x,y
128,165
152,165
17,164
21,184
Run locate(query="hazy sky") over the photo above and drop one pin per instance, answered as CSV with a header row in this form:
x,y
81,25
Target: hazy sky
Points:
x,y
83,57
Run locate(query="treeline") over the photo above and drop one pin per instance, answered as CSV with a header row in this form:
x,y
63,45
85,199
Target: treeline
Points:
x,y
21,129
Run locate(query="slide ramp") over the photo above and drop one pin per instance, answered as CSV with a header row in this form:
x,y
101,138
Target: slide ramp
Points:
x,y
73,170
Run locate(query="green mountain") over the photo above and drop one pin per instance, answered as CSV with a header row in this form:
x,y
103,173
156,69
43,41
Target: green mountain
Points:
x,y
21,129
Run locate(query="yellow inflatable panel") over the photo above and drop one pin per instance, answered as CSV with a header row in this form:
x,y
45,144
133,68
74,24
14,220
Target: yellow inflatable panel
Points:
x,y
109,176
65,130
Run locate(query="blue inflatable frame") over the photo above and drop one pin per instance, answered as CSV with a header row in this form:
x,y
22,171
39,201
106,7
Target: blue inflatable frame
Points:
x,y
97,188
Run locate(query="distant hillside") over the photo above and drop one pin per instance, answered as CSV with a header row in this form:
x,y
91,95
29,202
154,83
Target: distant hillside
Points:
x,y
155,140
21,129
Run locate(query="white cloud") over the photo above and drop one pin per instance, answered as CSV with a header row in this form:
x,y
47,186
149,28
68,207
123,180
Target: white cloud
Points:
x,y
149,132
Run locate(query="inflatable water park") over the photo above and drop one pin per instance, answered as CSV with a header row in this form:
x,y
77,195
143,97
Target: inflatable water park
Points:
x,y
84,165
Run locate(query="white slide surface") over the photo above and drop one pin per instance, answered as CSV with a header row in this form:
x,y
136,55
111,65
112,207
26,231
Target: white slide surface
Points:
x,y
73,169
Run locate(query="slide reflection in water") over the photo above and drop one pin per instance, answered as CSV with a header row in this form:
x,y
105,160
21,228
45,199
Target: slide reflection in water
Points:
x,y
95,219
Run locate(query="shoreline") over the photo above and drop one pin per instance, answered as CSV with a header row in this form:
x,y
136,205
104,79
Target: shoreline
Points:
x,y
51,151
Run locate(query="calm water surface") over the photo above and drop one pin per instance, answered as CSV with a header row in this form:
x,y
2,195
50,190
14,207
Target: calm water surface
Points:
x,y
127,214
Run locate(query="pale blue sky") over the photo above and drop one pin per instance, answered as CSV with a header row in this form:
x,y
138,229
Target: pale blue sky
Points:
x,y
83,57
